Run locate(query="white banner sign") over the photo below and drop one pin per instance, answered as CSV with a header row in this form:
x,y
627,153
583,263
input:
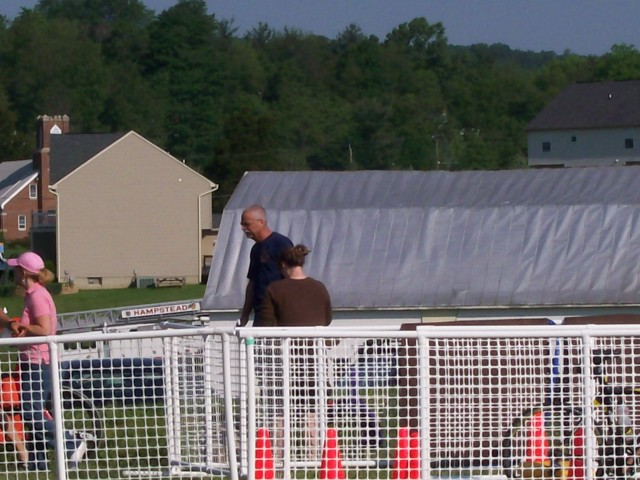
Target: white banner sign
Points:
x,y
158,310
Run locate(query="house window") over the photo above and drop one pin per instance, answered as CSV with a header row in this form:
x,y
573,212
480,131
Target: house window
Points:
x,y
574,139
628,143
94,280
33,191
22,222
546,146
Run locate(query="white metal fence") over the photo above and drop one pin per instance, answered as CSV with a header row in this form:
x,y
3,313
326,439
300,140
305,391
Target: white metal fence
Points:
x,y
435,402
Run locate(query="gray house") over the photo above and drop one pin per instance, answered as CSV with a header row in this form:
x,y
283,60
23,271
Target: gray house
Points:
x,y
397,246
588,124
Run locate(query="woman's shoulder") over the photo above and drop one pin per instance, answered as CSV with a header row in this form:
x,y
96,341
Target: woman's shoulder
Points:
x,y
40,292
316,284
315,280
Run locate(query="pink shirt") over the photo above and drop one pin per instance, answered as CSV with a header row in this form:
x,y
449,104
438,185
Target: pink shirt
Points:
x,y
37,303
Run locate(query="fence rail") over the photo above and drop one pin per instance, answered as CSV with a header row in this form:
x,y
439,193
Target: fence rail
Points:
x,y
433,402
108,318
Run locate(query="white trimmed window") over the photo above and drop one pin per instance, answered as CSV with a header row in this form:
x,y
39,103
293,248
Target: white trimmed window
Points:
x,y
22,222
33,191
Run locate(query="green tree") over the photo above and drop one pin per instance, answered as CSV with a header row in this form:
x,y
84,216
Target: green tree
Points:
x,y
246,143
120,29
261,35
359,64
14,145
54,70
185,65
621,63
425,43
278,99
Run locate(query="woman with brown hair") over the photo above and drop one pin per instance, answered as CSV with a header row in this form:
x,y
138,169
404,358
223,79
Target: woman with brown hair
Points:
x,y
299,301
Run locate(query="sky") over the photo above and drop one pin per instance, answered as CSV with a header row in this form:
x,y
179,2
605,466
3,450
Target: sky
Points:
x,y
585,27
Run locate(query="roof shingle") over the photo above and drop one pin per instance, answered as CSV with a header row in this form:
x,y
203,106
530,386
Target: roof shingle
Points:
x,y
613,104
69,151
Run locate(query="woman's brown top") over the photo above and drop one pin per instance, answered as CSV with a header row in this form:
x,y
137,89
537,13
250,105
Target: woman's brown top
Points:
x,y
296,303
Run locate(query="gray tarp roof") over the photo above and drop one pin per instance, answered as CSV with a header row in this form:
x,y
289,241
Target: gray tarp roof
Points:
x,y
400,239
15,176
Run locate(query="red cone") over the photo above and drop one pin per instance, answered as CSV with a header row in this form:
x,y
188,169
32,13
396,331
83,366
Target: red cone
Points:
x,y
576,470
331,465
265,468
538,448
401,463
414,455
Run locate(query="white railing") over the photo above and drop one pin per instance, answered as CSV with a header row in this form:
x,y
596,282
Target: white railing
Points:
x,y
434,402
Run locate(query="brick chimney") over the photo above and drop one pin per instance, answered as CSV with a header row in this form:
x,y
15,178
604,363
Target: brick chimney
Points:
x,y
46,126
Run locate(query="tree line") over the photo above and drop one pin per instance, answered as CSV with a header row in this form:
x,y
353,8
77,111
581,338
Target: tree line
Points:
x,y
278,99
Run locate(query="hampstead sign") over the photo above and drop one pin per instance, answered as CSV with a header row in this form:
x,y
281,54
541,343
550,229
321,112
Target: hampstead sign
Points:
x,y
158,310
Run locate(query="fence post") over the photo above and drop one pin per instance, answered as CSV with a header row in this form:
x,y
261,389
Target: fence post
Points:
x,y
423,398
56,402
251,407
228,407
589,399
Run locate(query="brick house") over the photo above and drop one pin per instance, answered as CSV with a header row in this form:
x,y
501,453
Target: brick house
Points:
x,y
18,199
25,198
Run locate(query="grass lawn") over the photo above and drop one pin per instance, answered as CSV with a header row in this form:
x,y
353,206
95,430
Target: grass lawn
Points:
x,y
105,299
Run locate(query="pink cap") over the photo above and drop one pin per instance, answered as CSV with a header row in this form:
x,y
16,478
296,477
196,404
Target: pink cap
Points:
x,y
28,261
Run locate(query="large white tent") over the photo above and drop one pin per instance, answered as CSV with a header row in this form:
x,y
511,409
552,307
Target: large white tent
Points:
x,y
473,244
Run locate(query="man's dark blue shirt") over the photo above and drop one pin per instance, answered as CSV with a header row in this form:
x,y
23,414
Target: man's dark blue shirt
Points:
x,y
264,268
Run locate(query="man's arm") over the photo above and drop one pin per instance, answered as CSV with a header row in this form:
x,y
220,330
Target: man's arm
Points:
x,y
248,303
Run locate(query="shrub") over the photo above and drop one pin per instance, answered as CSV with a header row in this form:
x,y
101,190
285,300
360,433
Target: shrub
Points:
x,y
54,288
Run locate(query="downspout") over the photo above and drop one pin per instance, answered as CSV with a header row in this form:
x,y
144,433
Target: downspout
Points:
x,y
200,228
52,189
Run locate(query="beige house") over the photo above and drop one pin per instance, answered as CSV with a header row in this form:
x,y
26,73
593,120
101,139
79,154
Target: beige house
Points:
x,y
126,210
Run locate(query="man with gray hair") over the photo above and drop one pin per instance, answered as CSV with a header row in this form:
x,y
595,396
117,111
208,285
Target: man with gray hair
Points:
x,y
263,265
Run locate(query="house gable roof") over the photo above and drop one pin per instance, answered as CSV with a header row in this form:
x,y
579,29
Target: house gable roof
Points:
x,y
412,240
612,104
15,176
70,151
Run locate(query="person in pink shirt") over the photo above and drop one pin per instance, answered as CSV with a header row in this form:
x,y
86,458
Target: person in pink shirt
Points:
x,y
38,319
